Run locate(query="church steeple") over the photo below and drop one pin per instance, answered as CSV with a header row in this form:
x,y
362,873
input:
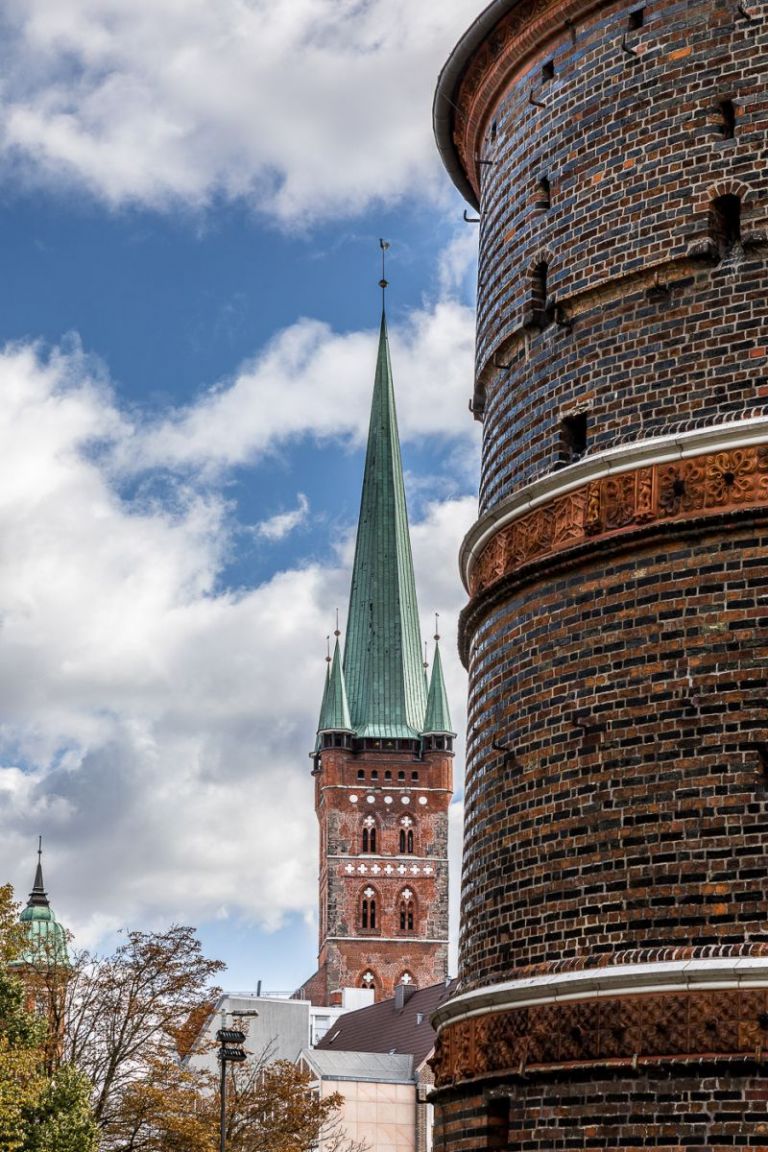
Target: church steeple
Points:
x,y
382,656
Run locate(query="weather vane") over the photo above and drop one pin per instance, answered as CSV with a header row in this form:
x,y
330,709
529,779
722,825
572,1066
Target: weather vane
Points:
x,y
383,283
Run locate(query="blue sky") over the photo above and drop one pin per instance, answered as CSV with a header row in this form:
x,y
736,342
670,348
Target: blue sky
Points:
x,y
192,197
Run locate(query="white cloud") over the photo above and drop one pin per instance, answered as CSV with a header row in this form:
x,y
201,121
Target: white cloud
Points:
x,y
313,382
152,725
283,523
309,109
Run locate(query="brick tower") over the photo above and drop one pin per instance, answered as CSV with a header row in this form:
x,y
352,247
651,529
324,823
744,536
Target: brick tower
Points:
x,y
383,757
614,943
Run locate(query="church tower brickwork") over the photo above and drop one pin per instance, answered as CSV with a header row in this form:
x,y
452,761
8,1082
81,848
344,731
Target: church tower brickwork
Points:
x,y
613,974
383,757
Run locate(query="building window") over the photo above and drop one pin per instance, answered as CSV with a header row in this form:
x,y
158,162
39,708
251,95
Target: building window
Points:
x,y
543,200
573,438
368,979
725,224
727,119
541,312
368,910
369,834
548,72
636,19
407,911
497,1124
406,836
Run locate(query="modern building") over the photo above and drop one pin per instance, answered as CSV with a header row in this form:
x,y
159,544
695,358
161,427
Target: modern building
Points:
x,y
614,945
383,756
378,1059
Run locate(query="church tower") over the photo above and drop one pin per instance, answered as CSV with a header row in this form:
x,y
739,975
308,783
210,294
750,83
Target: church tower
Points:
x,y
383,757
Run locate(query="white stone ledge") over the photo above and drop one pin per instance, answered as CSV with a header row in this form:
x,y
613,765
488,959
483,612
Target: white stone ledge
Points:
x,y
598,983
623,458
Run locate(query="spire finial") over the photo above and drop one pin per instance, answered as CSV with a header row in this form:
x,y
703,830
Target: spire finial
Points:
x,y
328,649
383,283
40,848
337,632
437,626
37,896
426,662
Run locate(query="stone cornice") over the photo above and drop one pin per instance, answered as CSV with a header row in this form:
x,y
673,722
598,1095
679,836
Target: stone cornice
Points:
x,y
659,478
622,979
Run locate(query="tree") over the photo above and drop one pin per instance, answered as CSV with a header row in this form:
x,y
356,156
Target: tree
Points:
x,y
127,1016
39,1112
270,1108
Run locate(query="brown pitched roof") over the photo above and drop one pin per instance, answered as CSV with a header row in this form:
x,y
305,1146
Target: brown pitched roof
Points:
x,y
383,1028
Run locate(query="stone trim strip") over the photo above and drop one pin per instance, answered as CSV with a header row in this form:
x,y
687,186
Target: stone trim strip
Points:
x,y
665,478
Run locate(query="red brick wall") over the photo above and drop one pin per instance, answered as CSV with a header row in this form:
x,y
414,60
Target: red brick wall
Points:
x,y
399,792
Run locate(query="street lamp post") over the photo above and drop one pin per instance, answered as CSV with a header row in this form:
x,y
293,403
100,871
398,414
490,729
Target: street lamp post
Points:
x,y
230,1041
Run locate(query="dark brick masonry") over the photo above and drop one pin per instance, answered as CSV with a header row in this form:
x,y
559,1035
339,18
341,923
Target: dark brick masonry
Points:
x,y
617,632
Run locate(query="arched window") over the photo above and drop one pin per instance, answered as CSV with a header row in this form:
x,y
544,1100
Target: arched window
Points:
x,y
369,834
368,910
368,979
407,911
406,836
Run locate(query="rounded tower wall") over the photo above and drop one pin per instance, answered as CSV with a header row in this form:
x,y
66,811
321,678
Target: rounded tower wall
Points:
x,y
630,138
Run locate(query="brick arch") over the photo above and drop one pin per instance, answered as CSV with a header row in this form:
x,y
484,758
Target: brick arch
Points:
x,y
368,977
725,187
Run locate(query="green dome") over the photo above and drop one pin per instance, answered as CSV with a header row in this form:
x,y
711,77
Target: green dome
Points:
x,y
46,939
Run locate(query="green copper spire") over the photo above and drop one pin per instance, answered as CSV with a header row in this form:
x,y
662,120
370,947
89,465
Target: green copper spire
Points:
x,y
382,655
438,718
334,713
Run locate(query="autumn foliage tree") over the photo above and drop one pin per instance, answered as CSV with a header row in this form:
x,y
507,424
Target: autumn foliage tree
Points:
x,y
42,1109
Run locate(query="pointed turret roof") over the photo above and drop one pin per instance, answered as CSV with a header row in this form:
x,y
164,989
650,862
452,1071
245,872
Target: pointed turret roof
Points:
x,y
438,717
382,654
334,713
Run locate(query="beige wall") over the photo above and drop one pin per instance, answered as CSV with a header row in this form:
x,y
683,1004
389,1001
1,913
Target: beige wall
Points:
x,y
383,1115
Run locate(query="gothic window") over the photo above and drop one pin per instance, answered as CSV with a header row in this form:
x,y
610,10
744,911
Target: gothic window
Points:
x,y
406,979
368,910
368,979
406,836
407,911
369,834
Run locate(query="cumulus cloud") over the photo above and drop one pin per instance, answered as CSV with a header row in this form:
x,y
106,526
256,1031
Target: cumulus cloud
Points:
x,y
153,723
309,110
280,525
310,381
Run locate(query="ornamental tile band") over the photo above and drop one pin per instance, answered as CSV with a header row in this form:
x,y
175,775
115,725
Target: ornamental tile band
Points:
x,y
715,482
626,1030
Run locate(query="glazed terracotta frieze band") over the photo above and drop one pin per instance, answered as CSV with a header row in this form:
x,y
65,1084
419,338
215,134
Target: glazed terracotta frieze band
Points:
x,y
639,1014
666,479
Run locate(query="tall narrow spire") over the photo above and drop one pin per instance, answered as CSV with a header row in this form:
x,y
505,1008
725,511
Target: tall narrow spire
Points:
x,y
438,717
382,656
334,714
38,897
